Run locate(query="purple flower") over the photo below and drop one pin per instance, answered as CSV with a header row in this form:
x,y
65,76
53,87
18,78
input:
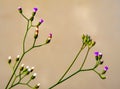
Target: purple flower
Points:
x,y
106,68
41,21
96,53
20,9
50,35
35,9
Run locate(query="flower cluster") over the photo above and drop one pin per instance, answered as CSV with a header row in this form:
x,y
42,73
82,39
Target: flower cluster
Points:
x,y
87,41
99,61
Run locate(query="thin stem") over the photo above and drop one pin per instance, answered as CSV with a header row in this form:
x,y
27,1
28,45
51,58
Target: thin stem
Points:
x,y
97,73
21,56
71,63
85,58
14,71
26,84
25,37
14,80
24,16
14,65
70,77
39,45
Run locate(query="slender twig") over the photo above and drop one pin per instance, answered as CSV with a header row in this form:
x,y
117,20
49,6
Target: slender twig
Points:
x,y
85,58
70,77
25,37
71,63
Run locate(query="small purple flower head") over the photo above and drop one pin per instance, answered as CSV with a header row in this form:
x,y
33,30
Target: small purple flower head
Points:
x,y
106,68
50,35
20,9
96,53
49,38
35,9
41,21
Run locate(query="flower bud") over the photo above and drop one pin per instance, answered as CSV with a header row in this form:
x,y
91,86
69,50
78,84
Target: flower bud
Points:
x,y
105,70
101,62
37,86
32,69
40,22
9,60
33,76
83,36
49,38
36,33
18,57
34,11
20,9
22,67
28,71
25,69
93,43
98,56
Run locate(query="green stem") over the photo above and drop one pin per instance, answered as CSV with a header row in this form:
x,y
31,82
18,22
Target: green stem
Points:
x,y
14,71
70,77
85,58
25,37
28,27
97,73
24,16
71,63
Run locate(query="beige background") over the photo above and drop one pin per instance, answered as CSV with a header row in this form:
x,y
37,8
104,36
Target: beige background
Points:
x,y
67,20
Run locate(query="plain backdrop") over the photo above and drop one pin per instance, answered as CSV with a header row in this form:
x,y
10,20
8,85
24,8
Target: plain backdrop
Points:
x,y
67,20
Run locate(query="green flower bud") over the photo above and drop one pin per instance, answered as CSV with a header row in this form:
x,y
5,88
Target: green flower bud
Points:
x,y
36,33
22,67
9,60
33,76
18,57
32,69
37,86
